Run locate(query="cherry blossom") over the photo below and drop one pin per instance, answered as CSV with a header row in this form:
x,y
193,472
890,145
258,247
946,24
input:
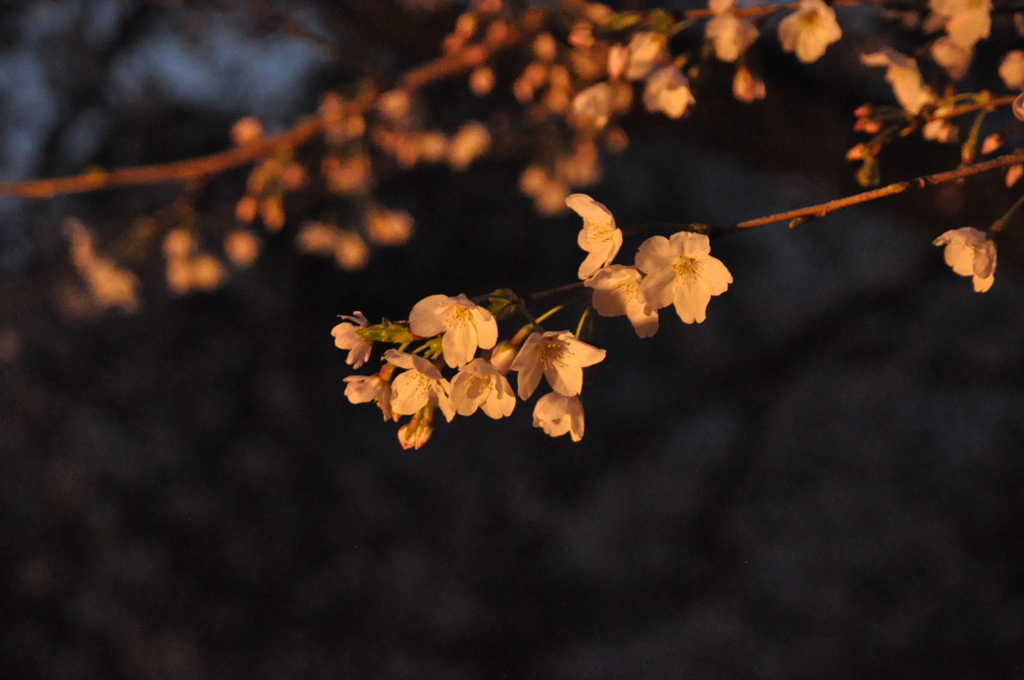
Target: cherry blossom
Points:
x,y
809,30
680,271
668,91
646,51
1011,70
905,78
346,337
615,293
480,385
560,356
966,21
420,385
362,389
465,325
593,106
558,414
730,34
969,252
599,236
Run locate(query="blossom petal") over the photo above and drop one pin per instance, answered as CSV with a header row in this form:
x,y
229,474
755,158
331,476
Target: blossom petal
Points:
x,y
427,317
714,275
657,290
655,253
691,302
409,393
400,359
486,327
587,355
690,244
527,364
459,344
591,211
565,376
644,323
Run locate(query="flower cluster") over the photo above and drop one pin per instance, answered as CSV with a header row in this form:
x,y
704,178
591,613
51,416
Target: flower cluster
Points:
x,y
451,331
677,271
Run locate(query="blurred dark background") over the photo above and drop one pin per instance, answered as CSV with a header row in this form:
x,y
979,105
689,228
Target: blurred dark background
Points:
x,y
821,481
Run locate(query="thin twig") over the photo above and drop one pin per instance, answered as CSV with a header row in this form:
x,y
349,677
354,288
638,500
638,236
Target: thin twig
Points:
x,y
823,209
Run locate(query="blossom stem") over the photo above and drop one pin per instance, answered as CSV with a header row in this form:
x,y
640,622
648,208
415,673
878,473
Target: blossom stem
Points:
x,y
583,320
545,315
1000,224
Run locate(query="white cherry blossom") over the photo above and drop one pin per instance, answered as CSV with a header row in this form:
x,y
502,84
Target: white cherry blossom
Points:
x,y
646,52
599,236
345,337
418,386
668,91
558,414
966,21
362,389
969,252
560,357
730,34
465,325
904,77
1011,70
615,293
593,106
480,385
809,30
680,271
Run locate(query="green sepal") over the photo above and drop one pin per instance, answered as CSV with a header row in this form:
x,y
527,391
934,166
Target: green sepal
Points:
x,y
386,332
623,21
504,303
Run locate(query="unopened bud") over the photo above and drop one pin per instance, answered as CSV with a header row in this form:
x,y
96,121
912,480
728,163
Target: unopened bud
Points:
x,y
416,433
1014,174
991,143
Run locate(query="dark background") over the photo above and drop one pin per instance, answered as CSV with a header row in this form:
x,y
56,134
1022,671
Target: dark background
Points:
x,y
821,481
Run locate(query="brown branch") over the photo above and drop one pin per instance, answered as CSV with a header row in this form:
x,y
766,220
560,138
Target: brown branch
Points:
x,y
195,168
823,209
179,171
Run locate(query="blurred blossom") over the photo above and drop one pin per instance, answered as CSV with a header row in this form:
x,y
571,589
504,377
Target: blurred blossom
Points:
x,y
481,80
317,238
1011,70
747,87
247,130
468,144
351,252
109,285
904,77
952,57
646,52
388,227
668,91
242,247
809,30
593,106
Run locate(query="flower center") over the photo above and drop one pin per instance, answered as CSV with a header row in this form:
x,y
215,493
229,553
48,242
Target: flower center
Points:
x,y
551,354
688,268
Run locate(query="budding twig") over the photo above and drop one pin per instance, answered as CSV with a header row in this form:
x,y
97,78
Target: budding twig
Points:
x,y
823,209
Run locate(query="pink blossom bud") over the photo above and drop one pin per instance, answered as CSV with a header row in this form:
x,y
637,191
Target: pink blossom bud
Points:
x,y
1014,174
991,143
